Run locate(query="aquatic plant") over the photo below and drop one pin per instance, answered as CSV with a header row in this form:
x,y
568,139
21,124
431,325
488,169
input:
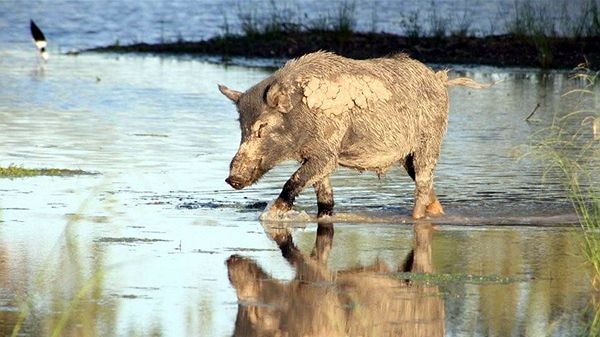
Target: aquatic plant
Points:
x,y
570,147
13,171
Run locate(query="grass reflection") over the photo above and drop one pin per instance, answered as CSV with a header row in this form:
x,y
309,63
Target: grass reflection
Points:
x,y
67,295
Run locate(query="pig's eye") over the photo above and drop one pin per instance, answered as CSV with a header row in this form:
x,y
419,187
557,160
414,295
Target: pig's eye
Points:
x,y
260,129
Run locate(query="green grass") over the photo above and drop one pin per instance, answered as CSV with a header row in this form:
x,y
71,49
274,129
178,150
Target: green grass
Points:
x,y
570,147
279,19
20,172
528,19
530,34
538,24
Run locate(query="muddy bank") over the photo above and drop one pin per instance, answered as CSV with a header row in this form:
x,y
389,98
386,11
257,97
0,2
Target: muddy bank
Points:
x,y
502,50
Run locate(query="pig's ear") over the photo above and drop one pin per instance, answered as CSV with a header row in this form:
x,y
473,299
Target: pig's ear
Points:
x,y
229,93
275,96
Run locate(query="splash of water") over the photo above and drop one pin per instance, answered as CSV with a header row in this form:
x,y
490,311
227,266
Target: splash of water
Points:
x,y
271,214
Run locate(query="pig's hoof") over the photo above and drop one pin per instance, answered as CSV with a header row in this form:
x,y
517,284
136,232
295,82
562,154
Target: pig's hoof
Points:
x,y
435,209
274,213
418,216
286,216
279,205
418,212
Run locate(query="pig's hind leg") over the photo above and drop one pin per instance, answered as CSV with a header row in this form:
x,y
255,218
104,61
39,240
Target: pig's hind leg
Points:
x,y
425,198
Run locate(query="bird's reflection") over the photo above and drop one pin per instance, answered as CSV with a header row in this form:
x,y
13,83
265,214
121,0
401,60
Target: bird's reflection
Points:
x,y
364,301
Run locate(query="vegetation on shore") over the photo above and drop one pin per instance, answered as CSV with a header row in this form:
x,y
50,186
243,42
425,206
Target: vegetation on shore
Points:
x,y
505,50
533,38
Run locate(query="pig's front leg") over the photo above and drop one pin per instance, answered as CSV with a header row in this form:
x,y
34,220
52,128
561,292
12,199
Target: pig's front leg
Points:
x,y
314,171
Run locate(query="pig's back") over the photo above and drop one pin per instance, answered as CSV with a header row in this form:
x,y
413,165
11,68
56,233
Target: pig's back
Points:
x,y
412,110
392,105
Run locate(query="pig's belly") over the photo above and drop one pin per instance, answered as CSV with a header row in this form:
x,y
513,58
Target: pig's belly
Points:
x,y
367,158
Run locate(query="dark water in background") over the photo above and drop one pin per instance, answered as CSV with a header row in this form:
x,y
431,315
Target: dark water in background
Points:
x,y
79,24
159,222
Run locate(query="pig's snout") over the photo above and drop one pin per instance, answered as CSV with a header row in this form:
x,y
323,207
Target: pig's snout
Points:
x,y
236,182
244,170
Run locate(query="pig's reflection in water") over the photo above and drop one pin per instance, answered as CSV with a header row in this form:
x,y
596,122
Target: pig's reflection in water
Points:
x,y
364,301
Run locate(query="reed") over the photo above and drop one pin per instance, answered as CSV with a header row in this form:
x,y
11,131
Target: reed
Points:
x,y
277,20
570,147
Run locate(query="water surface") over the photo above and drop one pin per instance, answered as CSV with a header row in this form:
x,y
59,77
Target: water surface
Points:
x,y
140,249
79,24
159,222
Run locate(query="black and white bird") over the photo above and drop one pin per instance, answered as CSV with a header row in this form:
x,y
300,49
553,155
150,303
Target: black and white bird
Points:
x,y
39,39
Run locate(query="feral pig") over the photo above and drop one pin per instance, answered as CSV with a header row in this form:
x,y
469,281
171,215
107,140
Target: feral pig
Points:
x,y
363,301
324,110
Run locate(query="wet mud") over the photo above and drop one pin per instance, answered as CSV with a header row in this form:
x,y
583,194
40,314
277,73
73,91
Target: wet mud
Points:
x,y
502,50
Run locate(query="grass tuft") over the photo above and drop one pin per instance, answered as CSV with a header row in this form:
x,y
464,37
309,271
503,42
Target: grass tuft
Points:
x,y
13,171
570,147
279,20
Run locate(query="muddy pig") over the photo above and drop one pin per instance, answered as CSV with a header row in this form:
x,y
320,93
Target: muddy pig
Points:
x,y
324,110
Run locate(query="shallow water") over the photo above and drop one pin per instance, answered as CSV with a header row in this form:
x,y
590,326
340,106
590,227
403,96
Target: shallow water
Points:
x,y
140,249
149,237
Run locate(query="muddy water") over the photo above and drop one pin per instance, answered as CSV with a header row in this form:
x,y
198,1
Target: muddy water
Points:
x,y
141,248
